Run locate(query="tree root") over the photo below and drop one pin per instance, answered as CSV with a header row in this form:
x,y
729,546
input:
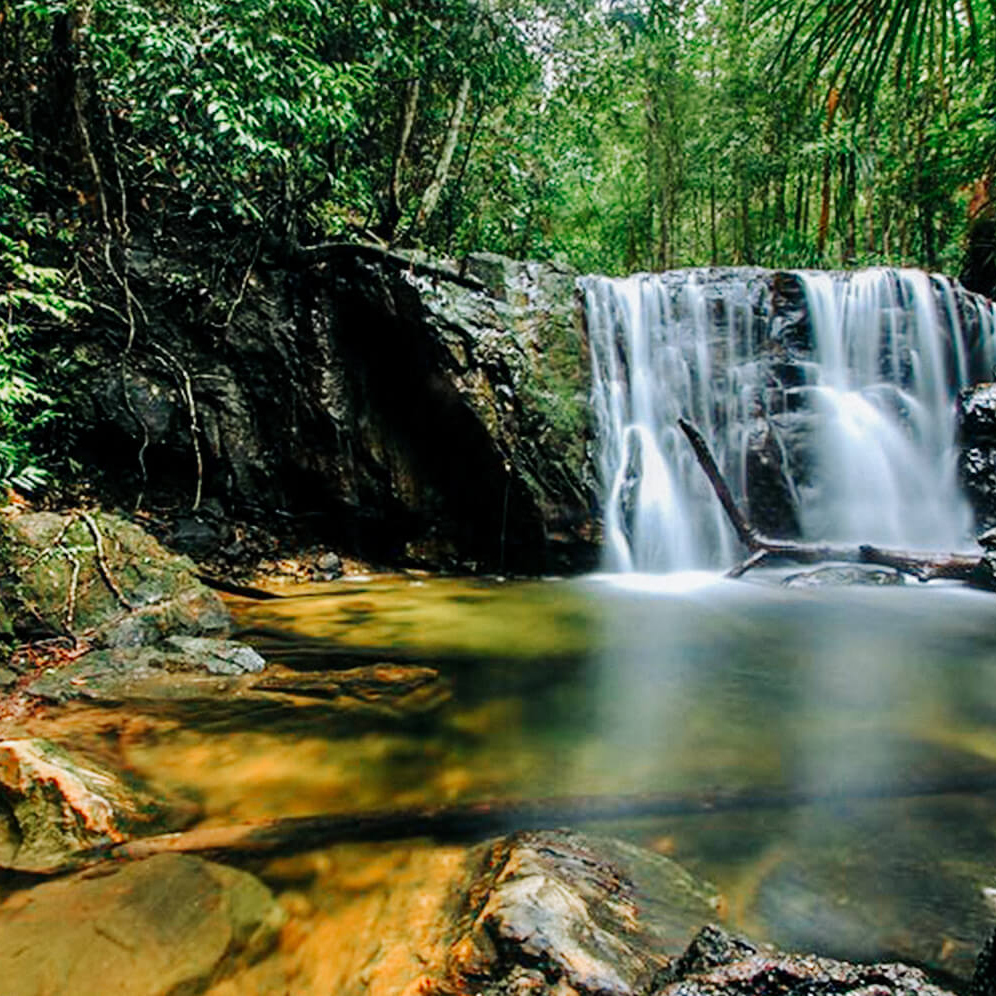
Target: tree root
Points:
x,y
242,287
102,565
71,594
132,411
185,384
70,553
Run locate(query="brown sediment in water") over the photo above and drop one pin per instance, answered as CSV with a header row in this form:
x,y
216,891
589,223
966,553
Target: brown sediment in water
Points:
x,y
372,922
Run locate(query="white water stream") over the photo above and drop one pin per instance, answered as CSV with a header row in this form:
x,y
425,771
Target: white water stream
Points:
x,y
862,410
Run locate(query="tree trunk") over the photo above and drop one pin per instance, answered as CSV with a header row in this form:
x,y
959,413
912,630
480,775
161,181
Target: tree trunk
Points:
x,y
713,236
652,168
748,249
392,212
461,173
850,208
833,101
430,198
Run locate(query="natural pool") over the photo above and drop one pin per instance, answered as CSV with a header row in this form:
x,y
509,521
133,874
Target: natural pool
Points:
x,y
881,701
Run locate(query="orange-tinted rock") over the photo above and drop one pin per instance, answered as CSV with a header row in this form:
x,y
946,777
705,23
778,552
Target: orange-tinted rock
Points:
x,y
53,805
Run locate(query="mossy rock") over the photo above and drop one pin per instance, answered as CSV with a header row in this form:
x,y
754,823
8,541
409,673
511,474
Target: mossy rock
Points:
x,y
7,638
129,592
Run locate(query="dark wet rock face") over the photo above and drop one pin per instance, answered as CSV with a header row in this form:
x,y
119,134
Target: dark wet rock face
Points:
x,y
977,458
719,965
979,273
984,979
101,576
401,411
770,500
167,926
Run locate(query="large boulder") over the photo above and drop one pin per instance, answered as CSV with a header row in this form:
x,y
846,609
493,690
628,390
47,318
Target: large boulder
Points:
x,y
551,912
402,409
163,927
100,576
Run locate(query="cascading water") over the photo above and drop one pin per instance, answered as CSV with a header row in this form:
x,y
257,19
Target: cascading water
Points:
x,y
850,397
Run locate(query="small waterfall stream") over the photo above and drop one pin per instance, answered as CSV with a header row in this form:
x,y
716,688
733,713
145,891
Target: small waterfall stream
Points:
x,y
841,386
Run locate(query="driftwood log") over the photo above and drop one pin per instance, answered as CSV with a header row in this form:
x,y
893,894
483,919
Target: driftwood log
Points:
x,y
478,820
973,570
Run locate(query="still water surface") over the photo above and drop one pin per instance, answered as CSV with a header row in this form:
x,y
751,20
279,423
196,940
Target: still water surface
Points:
x,y
606,686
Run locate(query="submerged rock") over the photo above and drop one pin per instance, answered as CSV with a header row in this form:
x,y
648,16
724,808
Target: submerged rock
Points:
x,y
387,690
53,805
181,668
220,681
163,927
100,575
853,886
825,577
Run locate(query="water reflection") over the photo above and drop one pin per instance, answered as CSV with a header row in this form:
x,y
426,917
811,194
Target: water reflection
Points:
x,y
859,695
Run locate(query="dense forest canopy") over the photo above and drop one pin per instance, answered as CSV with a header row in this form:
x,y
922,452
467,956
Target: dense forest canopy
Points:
x,y
615,135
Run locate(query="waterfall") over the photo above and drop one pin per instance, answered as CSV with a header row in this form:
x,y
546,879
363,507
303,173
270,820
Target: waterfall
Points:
x,y
827,400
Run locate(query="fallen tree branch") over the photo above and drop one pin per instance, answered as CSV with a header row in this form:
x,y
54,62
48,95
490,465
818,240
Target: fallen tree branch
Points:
x,y
763,549
477,820
746,533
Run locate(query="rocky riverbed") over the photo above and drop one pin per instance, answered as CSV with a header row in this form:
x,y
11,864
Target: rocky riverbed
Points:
x,y
146,729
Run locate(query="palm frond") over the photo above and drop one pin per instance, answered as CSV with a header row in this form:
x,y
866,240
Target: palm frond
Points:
x,y
859,41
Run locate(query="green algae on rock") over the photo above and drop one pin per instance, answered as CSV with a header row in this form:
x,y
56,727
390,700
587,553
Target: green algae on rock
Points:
x,y
100,575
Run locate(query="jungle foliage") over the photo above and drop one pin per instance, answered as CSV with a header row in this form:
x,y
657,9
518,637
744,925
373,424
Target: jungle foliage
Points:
x,y
613,134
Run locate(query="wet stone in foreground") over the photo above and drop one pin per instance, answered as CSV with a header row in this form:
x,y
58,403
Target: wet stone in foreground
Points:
x,y
161,927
